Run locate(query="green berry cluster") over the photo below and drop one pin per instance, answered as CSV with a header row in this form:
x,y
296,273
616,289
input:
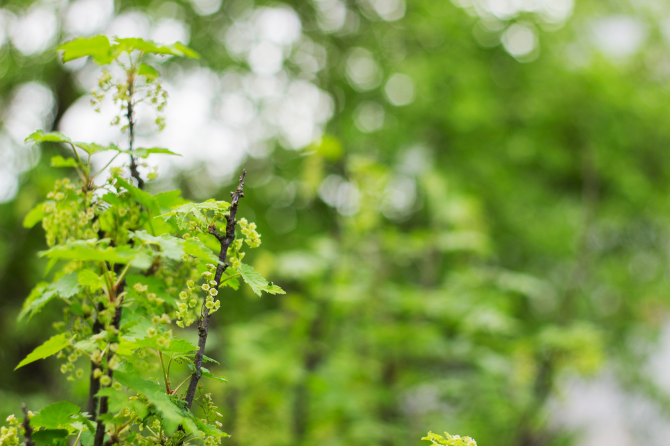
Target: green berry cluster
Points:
x,y
69,214
10,435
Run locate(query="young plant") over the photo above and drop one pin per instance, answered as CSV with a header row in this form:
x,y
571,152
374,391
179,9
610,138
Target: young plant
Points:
x,y
132,270
449,440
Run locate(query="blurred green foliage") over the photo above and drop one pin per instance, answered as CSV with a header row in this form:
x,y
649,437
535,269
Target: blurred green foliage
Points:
x,y
445,269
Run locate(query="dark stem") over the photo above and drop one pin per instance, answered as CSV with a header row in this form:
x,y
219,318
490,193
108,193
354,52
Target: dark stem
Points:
x,y
94,386
131,138
26,425
203,326
116,323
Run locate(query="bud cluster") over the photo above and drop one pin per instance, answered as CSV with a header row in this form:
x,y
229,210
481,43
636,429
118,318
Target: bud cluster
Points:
x,y
69,214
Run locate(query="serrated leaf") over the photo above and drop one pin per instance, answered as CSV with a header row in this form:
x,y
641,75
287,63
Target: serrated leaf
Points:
x,y
59,161
143,153
55,415
97,47
55,344
172,414
198,250
67,286
257,282
35,216
39,136
170,247
118,401
175,346
38,297
82,250
149,72
50,437
147,46
89,279
208,430
207,374
231,282
141,196
185,51
169,199
92,148
206,358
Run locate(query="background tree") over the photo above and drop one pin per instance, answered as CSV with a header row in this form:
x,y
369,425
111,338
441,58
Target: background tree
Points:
x,y
484,217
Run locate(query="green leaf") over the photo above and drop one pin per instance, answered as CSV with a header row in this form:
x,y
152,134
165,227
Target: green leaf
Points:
x,y
206,373
257,282
175,346
185,51
97,47
168,200
35,216
92,148
55,344
90,279
118,401
172,414
67,286
50,437
142,197
38,297
170,247
55,415
143,153
83,250
59,161
149,72
147,46
206,358
198,250
39,136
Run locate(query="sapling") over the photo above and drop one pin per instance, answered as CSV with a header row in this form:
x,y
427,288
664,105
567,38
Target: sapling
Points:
x,y
132,272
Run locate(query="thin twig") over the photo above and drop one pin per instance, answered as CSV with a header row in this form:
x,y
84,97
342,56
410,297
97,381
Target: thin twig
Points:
x,y
26,425
203,326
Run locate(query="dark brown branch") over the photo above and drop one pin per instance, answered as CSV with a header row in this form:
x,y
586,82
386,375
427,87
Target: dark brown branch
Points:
x,y
131,136
94,386
203,326
26,426
116,323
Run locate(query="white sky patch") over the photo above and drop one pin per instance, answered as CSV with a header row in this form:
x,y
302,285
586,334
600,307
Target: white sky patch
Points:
x,y
130,24
389,10
363,72
169,31
550,11
266,58
399,197
619,36
87,17
206,7
7,20
35,31
337,192
331,14
369,117
519,40
399,89
280,25
30,109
